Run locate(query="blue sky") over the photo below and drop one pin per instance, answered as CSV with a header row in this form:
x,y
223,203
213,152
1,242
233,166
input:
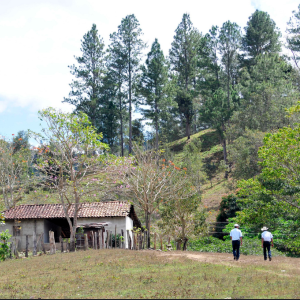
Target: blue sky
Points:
x,y
39,39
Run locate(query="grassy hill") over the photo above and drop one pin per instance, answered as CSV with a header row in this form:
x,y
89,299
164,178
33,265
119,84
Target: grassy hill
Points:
x,y
211,150
123,274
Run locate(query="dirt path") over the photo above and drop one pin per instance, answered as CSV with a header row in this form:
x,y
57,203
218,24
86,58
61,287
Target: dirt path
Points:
x,y
286,265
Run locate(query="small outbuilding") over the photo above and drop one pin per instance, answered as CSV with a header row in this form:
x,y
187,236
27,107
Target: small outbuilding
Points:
x,y
25,220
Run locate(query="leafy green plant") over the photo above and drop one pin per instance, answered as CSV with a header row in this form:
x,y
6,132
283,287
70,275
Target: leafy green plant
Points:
x,y
4,245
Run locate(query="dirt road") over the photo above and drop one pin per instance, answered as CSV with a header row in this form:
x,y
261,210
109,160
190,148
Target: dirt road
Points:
x,y
279,263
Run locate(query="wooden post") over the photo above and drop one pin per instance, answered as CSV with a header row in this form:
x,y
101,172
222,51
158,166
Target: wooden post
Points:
x,y
34,243
52,242
11,248
42,242
154,241
96,240
86,242
26,247
100,239
61,244
161,243
93,240
115,236
103,241
16,249
110,236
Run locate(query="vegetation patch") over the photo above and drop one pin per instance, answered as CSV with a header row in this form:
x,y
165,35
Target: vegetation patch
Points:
x,y
143,274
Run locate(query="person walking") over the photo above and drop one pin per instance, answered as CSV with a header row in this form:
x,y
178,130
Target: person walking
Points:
x,y
237,241
267,242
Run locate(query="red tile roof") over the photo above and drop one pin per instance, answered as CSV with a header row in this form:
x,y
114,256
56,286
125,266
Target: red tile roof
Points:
x,y
88,210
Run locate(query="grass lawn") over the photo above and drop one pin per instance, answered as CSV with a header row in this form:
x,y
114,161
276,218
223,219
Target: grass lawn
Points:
x,y
149,274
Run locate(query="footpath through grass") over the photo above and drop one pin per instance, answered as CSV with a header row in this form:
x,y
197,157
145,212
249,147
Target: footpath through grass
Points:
x,y
145,274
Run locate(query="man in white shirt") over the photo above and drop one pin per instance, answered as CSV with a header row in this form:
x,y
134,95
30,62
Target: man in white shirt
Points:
x,y
266,242
237,241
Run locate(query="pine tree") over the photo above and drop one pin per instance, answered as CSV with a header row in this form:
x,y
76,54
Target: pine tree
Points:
x,y
85,88
130,47
262,36
153,87
116,65
229,44
293,37
183,58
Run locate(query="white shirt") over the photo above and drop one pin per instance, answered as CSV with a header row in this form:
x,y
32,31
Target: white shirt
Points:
x,y
236,234
267,236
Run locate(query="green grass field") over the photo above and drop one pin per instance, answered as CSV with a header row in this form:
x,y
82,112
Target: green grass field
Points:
x,y
149,274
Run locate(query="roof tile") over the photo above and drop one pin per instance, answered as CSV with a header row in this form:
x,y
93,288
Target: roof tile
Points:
x,y
88,210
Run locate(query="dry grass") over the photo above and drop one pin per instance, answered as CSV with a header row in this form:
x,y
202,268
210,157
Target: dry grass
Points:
x,y
146,274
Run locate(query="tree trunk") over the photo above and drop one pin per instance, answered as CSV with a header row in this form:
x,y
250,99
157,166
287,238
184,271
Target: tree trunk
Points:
x,y
147,219
188,128
130,116
223,142
121,121
185,240
156,126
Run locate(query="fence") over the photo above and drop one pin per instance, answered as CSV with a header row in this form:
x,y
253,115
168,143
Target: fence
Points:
x,y
97,240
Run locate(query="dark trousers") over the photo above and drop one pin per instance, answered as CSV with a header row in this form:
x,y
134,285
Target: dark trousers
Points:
x,y
267,246
236,249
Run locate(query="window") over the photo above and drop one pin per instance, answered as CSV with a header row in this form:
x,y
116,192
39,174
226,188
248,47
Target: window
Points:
x,y
16,230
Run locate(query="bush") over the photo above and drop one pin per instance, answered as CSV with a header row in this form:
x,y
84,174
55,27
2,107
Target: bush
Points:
x,y
4,245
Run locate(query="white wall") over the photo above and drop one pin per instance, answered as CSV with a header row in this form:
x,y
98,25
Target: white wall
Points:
x,y
27,228
43,226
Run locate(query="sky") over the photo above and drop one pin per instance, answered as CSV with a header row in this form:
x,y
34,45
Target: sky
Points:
x,y
39,39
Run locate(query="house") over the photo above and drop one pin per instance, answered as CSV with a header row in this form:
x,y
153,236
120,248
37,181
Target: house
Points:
x,y
25,220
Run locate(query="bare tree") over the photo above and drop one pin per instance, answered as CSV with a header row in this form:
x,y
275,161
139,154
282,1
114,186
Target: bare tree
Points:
x,y
71,161
14,172
151,180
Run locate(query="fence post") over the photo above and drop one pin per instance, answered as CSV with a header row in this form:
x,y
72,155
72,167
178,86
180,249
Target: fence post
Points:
x,y
107,239
86,242
115,236
52,242
61,244
93,240
110,236
16,249
100,239
155,241
11,247
42,242
96,240
34,243
161,243
26,247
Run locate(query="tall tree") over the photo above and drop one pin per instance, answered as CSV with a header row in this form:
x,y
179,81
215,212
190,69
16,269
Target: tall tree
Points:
x,y
130,46
116,65
85,88
229,44
293,36
266,93
153,86
183,58
262,35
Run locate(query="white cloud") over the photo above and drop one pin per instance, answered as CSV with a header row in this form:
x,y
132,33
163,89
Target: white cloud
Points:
x,y
40,38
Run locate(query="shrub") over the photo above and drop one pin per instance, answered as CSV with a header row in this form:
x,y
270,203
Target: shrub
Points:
x,y
4,245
